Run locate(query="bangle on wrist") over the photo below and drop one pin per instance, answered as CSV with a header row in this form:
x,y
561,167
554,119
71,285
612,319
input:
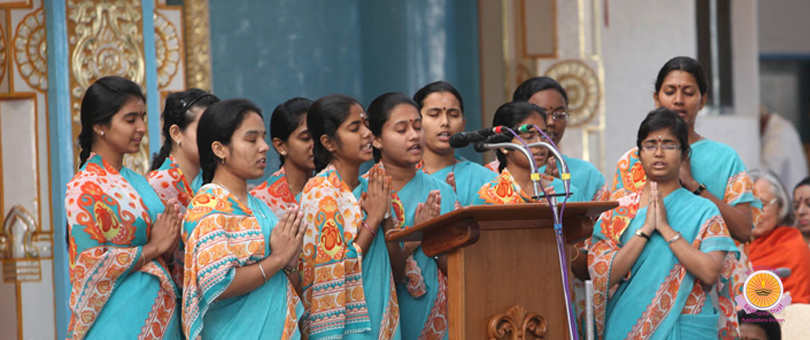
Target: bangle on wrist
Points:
x,y
290,269
365,225
641,233
678,236
264,276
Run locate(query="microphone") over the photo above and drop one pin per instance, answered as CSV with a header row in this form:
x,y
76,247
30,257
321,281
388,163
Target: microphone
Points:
x,y
463,139
782,272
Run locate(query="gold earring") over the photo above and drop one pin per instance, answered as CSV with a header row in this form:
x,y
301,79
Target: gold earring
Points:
x,y
222,160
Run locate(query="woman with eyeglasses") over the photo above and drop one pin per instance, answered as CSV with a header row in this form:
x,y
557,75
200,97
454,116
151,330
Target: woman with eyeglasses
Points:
x,y
777,244
514,184
713,170
663,250
548,94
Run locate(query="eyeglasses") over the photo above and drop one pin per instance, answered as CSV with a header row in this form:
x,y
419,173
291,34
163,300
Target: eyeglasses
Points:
x,y
559,115
769,203
533,136
652,146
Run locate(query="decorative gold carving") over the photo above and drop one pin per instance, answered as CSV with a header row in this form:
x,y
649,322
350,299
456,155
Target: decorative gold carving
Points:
x,y
21,256
3,52
582,86
167,50
198,44
516,324
31,50
105,39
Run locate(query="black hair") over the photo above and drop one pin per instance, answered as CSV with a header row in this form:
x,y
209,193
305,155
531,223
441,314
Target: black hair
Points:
x,y
218,124
101,102
510,115
685,64
805,181
176,112
664,118
436,86
767,322
379,111
533,85
285,119
324,118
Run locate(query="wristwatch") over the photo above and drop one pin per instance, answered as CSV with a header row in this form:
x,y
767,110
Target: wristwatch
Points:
x,y
700,189
642,234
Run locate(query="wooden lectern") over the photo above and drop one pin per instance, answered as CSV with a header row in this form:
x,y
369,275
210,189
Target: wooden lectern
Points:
x,y
503,275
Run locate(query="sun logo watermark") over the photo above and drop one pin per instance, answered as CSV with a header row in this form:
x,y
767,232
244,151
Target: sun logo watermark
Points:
x,y
763,290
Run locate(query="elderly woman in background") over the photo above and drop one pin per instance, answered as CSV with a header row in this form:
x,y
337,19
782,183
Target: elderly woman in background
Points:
x,y
777,244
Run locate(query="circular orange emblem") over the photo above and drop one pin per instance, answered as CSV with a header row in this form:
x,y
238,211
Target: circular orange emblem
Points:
x,y
763,289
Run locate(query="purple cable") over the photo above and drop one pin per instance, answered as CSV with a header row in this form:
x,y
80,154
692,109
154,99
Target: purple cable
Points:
x,y
566,187
531,159
561,251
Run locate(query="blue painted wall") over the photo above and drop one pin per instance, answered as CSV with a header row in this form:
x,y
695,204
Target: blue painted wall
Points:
x,y
270,51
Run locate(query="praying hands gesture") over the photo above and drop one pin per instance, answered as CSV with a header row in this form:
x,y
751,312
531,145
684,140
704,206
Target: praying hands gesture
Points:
x,y
377,201
551,167
164,236
429,209
656,211
424,211
287,237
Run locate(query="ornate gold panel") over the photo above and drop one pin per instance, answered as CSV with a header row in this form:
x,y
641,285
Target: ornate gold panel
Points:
x,y
105,38
168,50
31,50
198,44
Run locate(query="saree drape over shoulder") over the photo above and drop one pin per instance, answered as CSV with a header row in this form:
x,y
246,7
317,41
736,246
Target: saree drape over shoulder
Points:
x,y
348,292
505,190
423,297
717,166
170,183
110,214
469,176
223,234
659,298
275,191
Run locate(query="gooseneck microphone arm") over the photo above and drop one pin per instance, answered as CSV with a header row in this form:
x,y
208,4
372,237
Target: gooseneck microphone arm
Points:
x,y
511,146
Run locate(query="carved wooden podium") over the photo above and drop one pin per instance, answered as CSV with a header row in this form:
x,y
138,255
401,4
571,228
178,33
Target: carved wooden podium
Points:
x,y
504,278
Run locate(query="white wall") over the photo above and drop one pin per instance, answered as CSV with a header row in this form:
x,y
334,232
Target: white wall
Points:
x,y
784,26
642,36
